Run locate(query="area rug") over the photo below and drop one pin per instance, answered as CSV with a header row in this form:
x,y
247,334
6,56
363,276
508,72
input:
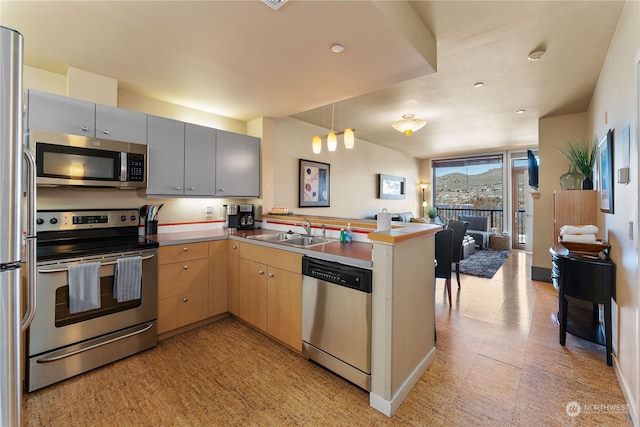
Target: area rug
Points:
x,y
483,263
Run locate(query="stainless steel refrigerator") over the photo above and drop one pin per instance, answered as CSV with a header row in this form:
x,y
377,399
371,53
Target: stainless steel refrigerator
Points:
x,y
12,240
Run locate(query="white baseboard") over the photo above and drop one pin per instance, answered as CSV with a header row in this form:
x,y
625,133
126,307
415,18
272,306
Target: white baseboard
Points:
x,y
388,407
628,395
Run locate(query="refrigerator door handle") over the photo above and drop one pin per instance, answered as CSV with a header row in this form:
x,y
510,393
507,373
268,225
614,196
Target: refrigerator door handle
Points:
x,y
30,240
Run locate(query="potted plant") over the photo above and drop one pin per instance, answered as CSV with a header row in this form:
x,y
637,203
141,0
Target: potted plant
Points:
x,y
582,155
432,213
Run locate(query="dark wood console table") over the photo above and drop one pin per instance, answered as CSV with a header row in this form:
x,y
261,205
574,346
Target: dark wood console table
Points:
x,y
584,281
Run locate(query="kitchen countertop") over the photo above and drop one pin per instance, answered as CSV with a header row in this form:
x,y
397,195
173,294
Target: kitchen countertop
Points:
x,y
355,253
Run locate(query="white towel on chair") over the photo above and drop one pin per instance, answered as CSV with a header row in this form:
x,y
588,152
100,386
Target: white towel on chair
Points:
x,y
84,287
578,229
127,282
578,238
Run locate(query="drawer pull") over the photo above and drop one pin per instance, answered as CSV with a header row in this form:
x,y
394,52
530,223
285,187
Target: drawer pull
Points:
x,y
185,299
185,249
186,267
271,275
234,247
260,272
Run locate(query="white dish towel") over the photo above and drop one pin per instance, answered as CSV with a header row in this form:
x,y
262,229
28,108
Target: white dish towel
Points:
x,y
84,287
127,282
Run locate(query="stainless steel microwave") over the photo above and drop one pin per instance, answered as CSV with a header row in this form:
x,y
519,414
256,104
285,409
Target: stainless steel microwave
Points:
x,y
74,160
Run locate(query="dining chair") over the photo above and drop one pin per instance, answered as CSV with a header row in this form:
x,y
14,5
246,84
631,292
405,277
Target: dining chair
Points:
x,y
459,230
444,257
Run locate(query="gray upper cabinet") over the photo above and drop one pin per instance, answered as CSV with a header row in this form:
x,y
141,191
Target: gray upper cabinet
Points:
x,y
165,138
199,160
56,113
120,125
237,165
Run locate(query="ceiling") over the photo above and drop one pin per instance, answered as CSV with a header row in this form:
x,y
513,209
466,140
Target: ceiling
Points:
x,y
244,60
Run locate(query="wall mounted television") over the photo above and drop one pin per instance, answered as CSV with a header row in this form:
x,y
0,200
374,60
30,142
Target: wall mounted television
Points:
x,y
532,165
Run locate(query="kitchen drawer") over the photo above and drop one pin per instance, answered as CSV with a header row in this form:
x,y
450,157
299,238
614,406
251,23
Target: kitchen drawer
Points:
x,y
182,310
290,261
177,253
180,277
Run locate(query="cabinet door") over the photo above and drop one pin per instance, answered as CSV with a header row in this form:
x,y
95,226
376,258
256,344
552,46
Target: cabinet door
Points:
x,y
253,293
121,125
165,138
181,310
284,307
199,160
237,165
217,277
56,113
233,276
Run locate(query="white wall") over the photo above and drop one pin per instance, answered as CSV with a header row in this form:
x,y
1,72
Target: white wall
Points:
x,y
616,105
353,173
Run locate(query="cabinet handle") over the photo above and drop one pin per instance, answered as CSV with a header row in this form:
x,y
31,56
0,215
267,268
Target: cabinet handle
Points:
x,y
185,299
186,267
191,189
260,272
106,131
221,189
178,188
234,247
271,275
84,128
185,249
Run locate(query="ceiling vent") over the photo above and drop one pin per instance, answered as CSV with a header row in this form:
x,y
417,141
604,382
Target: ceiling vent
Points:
x,y
274,4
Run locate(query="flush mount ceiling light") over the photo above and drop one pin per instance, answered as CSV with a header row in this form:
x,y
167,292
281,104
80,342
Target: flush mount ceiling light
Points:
x,y
409,124
520,111
274,4
536,55
337,48
478,84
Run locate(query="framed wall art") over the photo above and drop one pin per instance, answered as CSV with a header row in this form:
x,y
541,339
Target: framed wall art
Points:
x,y
314,184
605,162
392,187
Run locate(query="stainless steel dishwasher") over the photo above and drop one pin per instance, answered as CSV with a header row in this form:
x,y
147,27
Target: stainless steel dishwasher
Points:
x,y
336,318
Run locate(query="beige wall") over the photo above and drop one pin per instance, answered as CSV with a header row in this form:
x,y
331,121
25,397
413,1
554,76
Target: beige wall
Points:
x,y
616,105
553,134
354,179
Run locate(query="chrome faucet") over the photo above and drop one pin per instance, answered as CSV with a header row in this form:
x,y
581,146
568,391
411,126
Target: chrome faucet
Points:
x,y
307,227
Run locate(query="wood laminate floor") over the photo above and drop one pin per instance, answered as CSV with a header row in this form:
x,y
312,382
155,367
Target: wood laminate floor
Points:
x,y
498,363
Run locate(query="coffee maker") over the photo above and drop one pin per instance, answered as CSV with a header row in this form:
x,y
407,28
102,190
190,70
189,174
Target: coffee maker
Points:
x,y
232,217
246,214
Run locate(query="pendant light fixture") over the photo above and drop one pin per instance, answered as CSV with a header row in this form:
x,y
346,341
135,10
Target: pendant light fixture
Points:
x,y
409,124
332,138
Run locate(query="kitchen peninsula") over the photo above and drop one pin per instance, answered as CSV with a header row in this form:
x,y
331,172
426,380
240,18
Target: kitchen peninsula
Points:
x,y
402,308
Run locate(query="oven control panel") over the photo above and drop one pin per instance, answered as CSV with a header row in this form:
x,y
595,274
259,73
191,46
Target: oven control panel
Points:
x,y
51,220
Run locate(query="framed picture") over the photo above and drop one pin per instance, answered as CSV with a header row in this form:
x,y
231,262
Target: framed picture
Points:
x,y
314,184
392,187
605,161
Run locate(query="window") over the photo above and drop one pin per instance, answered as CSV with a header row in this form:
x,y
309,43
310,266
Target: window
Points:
x,y
469,186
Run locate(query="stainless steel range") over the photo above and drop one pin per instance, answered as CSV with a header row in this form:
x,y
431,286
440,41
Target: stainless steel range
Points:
x,y
82,322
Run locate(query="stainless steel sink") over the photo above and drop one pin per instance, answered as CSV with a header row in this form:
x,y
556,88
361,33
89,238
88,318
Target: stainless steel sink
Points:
x,y
307,241
292,239
275,237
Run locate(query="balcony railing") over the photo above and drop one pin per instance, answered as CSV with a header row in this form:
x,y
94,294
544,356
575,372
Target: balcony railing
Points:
x,y
495,218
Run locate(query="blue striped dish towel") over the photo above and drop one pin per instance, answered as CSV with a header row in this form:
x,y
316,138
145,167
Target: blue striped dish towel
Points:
x,y
127,282
84,287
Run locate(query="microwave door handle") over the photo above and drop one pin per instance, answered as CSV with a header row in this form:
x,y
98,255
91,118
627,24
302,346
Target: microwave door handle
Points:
x,y
103,264
123,167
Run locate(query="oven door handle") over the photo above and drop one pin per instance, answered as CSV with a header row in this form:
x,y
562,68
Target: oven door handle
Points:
x,y
64,354
102,264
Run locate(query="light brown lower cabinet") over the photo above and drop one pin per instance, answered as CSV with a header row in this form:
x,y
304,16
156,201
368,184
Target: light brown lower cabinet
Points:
x,y
233,276
183,285
270,292
217,277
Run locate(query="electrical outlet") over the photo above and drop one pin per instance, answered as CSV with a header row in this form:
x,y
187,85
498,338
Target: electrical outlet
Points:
x,y
208,211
